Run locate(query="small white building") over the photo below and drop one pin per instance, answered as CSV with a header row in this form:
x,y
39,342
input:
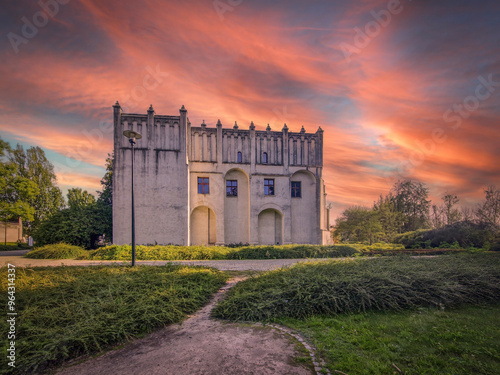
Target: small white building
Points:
x,y
213,185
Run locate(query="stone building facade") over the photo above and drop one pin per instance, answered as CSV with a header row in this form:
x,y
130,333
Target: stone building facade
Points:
x,y
213,185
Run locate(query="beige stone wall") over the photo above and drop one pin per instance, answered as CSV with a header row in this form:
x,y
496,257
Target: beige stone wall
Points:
x,y
173,154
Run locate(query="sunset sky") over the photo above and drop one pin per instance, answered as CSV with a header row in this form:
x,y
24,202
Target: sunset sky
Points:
x,y
401,88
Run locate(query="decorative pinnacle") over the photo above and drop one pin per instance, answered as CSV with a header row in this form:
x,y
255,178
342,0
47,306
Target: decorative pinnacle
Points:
x,y
116,104
252,126
183,109
219,123
319,129
203,125
268,128
151,108
302,130
235,125
285,127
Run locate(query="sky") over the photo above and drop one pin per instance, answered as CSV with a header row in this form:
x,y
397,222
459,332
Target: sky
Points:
x,y
402,89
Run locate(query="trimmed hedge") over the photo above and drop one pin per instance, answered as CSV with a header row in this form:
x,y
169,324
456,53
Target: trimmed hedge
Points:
x,y
171,252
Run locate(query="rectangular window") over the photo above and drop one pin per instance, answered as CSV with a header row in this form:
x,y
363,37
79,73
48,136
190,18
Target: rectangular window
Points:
x,y
231,188
296,191
203,186
268,186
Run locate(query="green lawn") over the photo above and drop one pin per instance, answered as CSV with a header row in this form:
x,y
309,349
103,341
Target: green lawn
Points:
x,y
65,312
462,341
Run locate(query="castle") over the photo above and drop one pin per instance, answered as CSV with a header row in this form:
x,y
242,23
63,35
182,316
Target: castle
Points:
x,y
201,185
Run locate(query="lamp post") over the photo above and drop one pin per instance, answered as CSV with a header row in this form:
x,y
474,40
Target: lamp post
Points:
x,y
132,136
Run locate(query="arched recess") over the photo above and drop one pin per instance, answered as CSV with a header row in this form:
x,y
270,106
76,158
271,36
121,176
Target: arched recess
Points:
x,y
270,227
304,209
236,207
203,229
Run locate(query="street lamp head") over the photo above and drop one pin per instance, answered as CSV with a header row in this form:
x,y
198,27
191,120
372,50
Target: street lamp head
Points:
x,y
131,134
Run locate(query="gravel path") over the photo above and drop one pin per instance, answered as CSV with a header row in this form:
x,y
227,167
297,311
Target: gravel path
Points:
x,y
223,265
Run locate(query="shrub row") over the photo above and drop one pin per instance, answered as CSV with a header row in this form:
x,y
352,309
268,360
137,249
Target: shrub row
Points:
x,y
352,286
463,234
157,252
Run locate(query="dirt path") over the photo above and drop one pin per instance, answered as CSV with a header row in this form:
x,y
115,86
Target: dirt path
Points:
x,y
201,345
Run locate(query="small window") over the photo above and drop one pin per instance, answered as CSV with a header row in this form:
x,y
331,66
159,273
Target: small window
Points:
x,y
240,157
264,158
296,190
231,188
203,185
268,186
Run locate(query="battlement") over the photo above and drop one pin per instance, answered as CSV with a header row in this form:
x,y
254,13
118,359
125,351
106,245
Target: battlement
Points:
x,y
221,145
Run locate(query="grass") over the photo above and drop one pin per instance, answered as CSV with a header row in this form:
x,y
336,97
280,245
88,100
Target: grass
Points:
x,y
66,312
424,341
354,286
57,251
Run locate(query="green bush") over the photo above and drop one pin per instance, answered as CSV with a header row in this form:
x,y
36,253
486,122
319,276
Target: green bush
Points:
x,y
159,252
58,251
377,247
292,252
352,286
466,234
80,226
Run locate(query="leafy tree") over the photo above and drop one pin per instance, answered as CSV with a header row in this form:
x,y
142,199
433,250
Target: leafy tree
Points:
x,y
410,199
85,220
79,198
16,191
489,211
106,195
358,224
105,200
389,217
33,165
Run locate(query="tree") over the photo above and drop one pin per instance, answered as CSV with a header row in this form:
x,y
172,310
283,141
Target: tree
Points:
x,y
85,220
105,199
358,224
16,192
410,199
452,215
33,165
390,219
489,211
79,198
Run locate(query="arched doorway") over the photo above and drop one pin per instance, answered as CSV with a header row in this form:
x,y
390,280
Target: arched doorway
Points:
x,y
270,227
203,229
